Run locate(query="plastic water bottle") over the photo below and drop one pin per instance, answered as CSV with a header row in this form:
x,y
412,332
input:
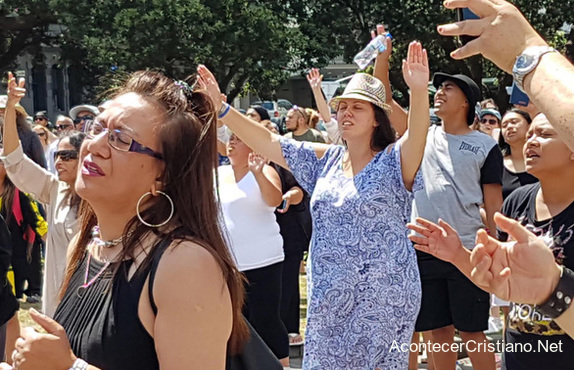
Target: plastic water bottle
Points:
x,y
376,46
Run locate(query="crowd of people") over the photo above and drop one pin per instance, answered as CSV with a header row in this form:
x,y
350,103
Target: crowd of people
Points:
x,y
173,227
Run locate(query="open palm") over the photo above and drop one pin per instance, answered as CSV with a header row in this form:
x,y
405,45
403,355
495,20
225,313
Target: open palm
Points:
x,y
314,77
416,67
441,241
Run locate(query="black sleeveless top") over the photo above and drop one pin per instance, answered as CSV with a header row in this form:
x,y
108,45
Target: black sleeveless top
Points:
x,y
102,321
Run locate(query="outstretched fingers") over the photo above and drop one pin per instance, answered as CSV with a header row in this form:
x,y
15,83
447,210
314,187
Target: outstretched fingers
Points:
x,y
431,226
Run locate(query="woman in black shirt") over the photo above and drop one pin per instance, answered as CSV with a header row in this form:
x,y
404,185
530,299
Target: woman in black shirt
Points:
x,y
150,282
512,138
546,209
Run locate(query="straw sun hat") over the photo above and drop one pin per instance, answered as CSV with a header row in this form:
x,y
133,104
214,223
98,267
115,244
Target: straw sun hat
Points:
x,y
364,87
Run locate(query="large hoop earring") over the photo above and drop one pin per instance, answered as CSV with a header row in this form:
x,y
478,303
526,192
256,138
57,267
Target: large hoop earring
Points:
x,y
147,223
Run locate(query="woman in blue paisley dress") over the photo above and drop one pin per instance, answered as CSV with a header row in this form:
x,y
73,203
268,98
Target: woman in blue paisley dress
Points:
x,y
363,282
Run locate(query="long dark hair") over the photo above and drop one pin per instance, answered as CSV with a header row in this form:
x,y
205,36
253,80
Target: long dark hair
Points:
x,y
76,139
7,196
187,140
22,123
504,147
384,133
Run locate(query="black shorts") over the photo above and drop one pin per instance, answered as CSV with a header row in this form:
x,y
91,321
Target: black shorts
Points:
x,y
449,298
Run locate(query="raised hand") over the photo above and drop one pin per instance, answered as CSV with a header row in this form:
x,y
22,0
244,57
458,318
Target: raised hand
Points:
x,y
256,163
314,77
523,271
440,240
16,90
207,81
385,55
503,32
416,67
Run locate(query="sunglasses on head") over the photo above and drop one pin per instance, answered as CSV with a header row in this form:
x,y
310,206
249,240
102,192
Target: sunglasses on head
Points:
x,y
490,121
301,111
84,118
65,155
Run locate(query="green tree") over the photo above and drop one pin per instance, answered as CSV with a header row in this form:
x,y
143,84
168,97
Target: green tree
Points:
x,y
345,26
239,40
23,26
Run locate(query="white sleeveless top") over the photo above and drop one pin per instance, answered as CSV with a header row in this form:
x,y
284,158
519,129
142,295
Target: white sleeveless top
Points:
x,y
251,225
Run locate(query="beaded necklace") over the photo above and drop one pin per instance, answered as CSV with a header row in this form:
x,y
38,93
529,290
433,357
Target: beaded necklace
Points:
x,y
97,242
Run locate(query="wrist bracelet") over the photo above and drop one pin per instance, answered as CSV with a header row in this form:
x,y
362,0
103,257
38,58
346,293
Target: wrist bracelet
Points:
x,y
224,110
79,364
562,296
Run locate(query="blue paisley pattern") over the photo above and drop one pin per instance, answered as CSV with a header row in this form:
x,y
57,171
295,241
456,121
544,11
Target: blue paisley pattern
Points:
x,y
363,282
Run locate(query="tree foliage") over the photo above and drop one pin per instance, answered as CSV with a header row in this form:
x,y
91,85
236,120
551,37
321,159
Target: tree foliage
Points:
x,y
259,42
345,26
23,26
239,40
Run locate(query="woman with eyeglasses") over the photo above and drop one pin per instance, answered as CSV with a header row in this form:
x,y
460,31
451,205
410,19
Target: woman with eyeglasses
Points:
x,y
56,192
364,285
150,282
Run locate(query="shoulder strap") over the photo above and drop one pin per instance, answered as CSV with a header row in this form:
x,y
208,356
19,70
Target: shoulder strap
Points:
x,y
158,253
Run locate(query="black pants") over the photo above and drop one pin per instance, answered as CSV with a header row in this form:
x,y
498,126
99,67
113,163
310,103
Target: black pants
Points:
x,y
290,297
28,271
262,300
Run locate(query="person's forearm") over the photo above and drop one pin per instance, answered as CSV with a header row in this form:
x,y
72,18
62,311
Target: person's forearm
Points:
x,y
333,132
295,194
10,134
551,88
462,262
381,71
221,148
414,141
257,137
271,194
397,116
491,206
322,105
419,118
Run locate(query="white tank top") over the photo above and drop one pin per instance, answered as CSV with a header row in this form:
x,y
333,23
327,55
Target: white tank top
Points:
x,y
251,225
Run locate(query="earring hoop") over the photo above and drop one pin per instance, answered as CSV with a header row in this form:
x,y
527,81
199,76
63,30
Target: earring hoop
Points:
x,y
147,223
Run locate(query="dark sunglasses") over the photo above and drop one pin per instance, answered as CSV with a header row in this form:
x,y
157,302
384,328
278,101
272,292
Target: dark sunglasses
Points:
x,y
41,133
40,119
490,121
84,118
63,127
65,155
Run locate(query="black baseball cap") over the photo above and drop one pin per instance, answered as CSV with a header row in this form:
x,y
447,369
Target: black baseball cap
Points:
x,y
468,87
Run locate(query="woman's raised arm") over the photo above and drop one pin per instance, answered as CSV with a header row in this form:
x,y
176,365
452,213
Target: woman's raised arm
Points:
x,y
257,137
